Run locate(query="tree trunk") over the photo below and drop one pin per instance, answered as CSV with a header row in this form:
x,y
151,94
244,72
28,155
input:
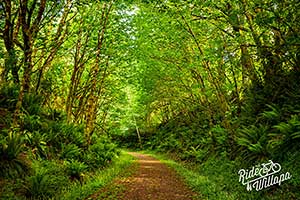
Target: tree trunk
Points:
x,y
29,32
96,86
9,36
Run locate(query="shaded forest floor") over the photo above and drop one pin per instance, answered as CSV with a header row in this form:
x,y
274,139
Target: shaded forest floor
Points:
x,y
149,179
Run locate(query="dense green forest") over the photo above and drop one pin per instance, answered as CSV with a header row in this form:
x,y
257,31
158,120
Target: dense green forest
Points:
x,y
213,84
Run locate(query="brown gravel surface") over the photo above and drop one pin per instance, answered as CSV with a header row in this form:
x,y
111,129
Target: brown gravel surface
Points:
x,y
153,181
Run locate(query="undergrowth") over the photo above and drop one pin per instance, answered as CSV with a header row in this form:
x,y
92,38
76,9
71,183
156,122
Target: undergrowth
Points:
x,y
99,179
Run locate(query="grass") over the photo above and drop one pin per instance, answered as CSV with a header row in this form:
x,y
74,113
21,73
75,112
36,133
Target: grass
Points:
x,y
100,179
115,189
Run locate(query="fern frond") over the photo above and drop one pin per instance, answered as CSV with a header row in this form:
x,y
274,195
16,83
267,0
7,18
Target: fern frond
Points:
x,y
283,127
271,114
296,135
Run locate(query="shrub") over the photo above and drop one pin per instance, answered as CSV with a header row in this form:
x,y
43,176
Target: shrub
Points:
x,y
75,169
253,142
194,154
9,96
100,152
170,143
47,181
285,136
70,151
32,103
32,123
60,132
12,161
38,142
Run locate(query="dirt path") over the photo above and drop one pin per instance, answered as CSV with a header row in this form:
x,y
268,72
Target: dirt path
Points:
x,y
154,181
149,180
